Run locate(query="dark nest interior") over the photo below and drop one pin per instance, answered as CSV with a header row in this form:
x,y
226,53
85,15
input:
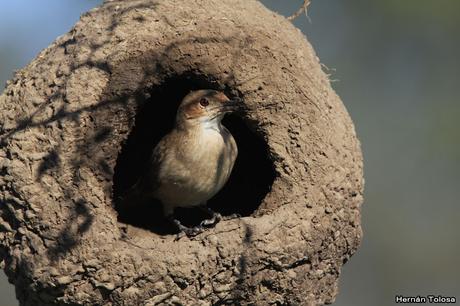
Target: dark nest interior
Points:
x,y
251,179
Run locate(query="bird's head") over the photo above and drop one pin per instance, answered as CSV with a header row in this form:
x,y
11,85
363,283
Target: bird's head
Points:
x,y
206,106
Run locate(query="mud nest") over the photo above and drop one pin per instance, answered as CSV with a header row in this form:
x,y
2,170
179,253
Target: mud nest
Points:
x,y
77,124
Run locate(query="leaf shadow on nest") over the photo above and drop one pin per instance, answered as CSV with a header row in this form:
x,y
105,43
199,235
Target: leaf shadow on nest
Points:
x,y
252,176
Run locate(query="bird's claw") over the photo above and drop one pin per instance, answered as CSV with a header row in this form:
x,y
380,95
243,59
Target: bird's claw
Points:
x,y
189,231
196,230
216,217
193,231
231,217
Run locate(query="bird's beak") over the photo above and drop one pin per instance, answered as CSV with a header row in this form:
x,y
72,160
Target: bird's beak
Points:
x,y
234,105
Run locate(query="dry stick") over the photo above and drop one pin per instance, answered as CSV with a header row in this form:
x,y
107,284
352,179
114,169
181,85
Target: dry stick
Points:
x,y
305,4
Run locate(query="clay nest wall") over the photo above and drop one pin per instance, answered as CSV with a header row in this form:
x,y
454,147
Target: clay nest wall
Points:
x,y
78,122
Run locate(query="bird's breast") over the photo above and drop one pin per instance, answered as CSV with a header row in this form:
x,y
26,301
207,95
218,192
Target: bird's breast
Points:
x,y
198,168
213,157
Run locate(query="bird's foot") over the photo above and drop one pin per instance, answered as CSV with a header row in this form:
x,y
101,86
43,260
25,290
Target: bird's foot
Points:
x,y
190,231
216,217
184,230
196,230
231,217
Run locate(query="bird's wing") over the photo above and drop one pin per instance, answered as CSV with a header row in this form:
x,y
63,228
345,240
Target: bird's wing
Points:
x,y
150,179
147,182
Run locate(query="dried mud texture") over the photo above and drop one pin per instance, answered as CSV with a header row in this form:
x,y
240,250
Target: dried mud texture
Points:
x,y
66,116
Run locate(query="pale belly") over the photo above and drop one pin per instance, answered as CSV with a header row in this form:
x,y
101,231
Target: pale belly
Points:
x,y
196,174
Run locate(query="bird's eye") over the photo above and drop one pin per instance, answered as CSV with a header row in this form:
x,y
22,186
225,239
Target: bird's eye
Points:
x,y
204,102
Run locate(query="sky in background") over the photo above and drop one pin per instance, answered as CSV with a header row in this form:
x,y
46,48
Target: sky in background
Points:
x,y
396,66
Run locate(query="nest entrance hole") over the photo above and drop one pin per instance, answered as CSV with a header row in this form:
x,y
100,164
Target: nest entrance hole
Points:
x,y
251,179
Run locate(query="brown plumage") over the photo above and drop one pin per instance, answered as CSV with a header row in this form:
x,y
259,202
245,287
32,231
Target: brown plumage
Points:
x,y
192,162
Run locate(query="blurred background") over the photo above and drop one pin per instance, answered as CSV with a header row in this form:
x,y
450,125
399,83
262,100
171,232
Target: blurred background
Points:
x,y
396,66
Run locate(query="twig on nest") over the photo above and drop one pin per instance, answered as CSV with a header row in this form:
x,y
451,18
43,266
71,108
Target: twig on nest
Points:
x,y
302,9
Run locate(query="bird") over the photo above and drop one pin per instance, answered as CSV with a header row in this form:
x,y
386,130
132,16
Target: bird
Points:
x,y
191,163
